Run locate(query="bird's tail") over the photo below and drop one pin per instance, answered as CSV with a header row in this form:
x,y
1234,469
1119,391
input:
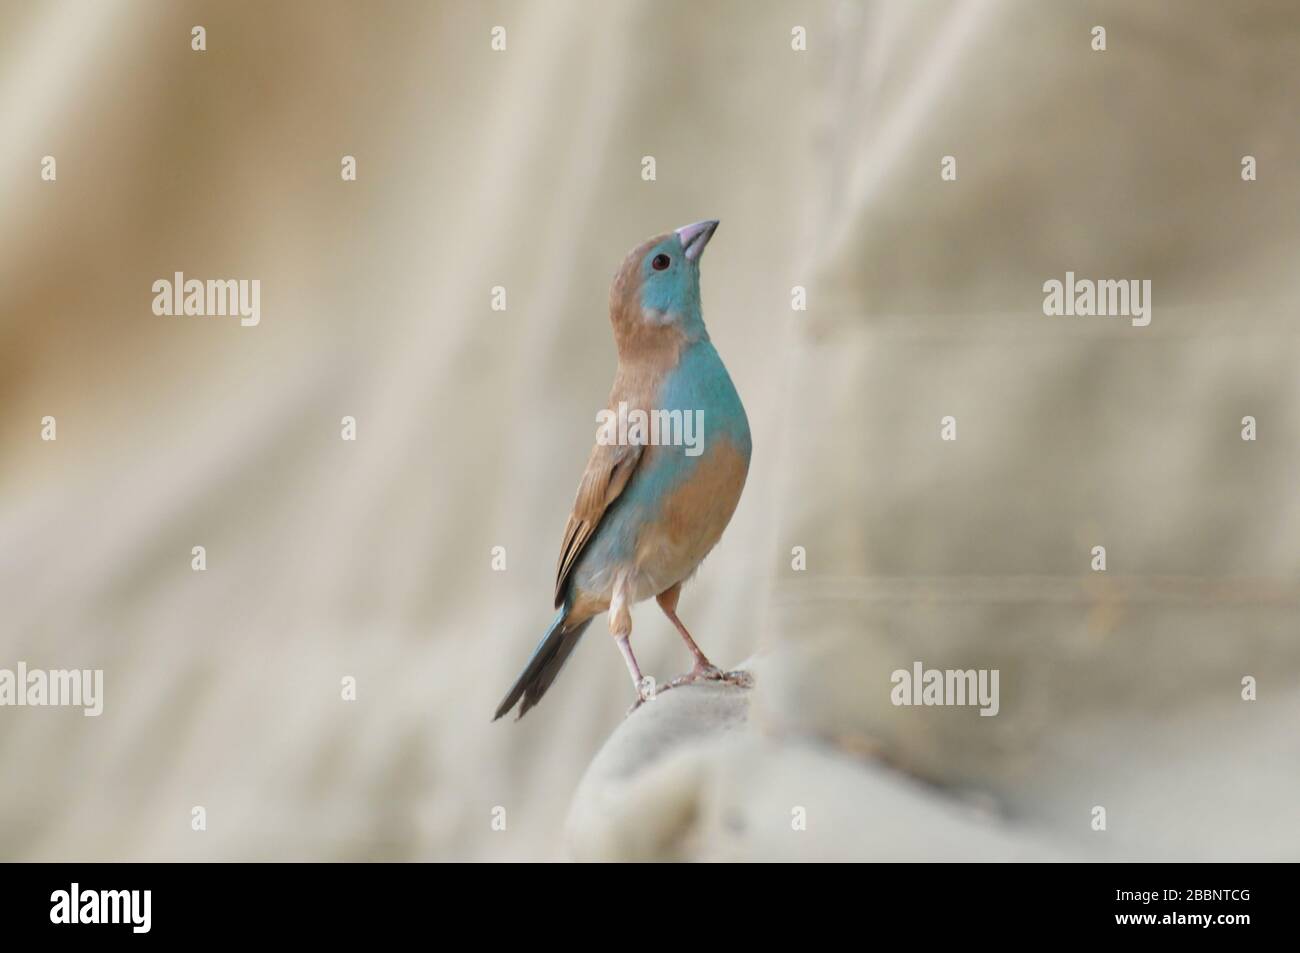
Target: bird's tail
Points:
x,y
547,660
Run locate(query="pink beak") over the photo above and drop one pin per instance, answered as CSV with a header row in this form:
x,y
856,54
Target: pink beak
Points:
x,y
695,237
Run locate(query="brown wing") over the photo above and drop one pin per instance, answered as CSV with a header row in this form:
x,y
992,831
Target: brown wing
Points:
x,y
607,473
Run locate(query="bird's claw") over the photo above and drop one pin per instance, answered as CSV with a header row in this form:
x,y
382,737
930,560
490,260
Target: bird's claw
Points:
x,y
739,678
645,692
711,673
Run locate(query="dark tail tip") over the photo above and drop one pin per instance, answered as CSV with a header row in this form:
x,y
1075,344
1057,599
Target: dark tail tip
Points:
x,y
542,668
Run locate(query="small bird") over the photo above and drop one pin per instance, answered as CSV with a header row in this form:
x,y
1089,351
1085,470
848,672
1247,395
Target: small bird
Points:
x,y
647,513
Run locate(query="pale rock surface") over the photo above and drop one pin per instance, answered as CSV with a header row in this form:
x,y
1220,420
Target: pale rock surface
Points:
x,y
691,776
702,773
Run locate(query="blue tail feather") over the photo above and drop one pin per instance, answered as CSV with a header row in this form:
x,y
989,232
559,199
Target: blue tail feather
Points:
x,y
544,665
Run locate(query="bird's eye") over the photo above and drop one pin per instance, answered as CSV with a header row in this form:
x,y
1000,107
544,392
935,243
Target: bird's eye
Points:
x,y
660,262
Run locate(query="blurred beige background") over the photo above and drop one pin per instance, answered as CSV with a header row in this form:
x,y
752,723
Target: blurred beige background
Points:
x,y
477,168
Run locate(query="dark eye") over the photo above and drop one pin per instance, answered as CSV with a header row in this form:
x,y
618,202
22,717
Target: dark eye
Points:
x,y
660,262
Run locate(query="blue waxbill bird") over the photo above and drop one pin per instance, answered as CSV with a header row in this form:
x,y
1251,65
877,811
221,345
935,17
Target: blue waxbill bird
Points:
x,y
646,514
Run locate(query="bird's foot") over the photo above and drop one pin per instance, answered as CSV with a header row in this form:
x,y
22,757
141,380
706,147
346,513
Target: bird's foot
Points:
x,y
706,672
645,692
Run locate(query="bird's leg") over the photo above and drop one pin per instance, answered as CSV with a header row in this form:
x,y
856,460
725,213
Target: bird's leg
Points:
x,y
620,626
668,602
703,670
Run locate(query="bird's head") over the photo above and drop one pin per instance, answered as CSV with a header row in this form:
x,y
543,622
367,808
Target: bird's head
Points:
x,y
655,298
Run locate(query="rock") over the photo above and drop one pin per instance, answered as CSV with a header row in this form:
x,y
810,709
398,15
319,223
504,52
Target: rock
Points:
x,y
689,776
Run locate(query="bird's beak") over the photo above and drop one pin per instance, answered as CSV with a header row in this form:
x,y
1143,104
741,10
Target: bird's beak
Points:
x,y
695,237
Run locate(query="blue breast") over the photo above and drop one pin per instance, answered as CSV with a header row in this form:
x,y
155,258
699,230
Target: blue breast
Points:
x,y
699,382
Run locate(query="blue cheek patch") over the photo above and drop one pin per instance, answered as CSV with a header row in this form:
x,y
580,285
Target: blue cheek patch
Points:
x,y
674,291
657,295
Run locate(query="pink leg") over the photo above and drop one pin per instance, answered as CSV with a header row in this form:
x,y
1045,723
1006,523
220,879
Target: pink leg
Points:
x,y
703,670
620,625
